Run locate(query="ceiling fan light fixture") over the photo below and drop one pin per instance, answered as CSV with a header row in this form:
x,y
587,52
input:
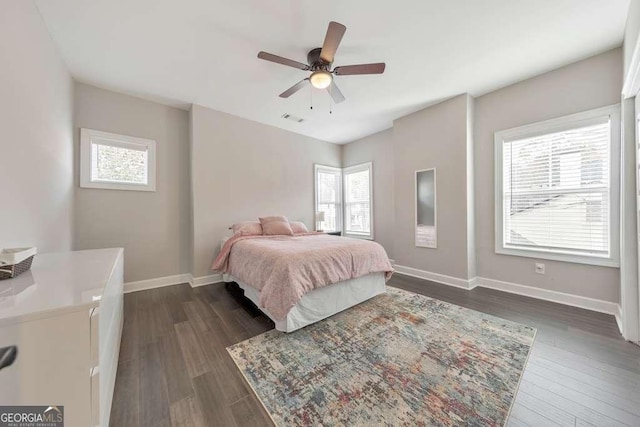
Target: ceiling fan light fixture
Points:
x,y
321,79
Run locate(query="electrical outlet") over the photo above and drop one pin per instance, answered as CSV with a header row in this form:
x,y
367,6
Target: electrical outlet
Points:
x,y
539,268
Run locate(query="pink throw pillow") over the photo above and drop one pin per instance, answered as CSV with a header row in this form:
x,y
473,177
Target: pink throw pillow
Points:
x,y
247,228
298,227
276,225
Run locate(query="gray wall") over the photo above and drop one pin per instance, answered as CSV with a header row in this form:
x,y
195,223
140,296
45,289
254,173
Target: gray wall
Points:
x,y
242,170
588,84
435,137
377,148
153,227
36,123
631,33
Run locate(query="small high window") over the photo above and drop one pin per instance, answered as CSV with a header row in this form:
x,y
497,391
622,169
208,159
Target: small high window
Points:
x,y
117,162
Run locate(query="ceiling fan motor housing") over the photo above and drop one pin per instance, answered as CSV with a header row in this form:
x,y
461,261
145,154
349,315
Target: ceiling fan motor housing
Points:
x,y
315,62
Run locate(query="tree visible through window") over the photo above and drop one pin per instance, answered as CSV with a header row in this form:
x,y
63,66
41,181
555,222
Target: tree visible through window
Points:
x,y
357,191
111,161
328,196
117,164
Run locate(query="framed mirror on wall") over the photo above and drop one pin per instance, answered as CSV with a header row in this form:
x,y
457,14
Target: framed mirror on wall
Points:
x,y
426,217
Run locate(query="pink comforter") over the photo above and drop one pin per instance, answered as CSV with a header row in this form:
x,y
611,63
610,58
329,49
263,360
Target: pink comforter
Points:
x,y
284,268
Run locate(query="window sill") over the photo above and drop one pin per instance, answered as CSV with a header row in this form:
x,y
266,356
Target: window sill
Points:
x,y
117,186
358,236
576,259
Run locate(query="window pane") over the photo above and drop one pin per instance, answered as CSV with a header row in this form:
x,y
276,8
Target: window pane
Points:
x,y
556,191
357,203
117,164
330,216
357,217
327,187
357,187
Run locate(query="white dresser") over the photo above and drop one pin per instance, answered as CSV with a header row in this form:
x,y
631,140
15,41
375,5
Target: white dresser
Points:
x,y
65,316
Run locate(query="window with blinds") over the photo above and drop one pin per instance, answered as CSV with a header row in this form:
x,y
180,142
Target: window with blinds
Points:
x,y
556,195
357,200
329,197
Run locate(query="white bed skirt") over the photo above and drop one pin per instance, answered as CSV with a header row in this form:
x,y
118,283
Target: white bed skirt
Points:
x,y
322,302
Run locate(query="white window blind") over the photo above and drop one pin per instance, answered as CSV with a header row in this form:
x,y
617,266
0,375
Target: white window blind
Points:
x,y
557,195
357,200
328,196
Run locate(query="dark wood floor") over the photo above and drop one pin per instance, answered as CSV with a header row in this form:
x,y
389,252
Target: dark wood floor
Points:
x,y
174,369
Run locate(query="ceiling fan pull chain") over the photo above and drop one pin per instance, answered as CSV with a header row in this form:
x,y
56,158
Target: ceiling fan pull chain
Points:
x,y
311,97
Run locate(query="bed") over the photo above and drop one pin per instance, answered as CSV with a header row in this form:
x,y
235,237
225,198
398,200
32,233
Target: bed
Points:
x,y
299,280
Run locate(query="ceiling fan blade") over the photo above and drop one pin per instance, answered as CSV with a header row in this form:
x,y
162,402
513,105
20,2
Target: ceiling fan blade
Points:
x,y
335,93
350,70
293,89
332,41
284,61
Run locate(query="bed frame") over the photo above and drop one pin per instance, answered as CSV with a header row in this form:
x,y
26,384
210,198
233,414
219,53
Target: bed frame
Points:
x,y
317,304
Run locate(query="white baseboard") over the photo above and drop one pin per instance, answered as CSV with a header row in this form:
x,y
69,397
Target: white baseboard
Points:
x,y
587,303
435,277
206,280
514,288
156,283
618,316
178,279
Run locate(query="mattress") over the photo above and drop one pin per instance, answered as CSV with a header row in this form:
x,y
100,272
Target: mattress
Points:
x,y
322,302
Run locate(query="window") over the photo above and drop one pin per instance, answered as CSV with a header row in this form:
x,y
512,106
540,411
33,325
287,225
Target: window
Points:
x,y
557,189
117,162
358,212
329,197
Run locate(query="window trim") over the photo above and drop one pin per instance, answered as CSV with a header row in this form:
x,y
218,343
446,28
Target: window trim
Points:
x,y
354,169
86,158
338,171
557,125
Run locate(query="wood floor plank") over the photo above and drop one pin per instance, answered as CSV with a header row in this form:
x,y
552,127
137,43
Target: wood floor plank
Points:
x,y
126,399
199,313
173,356
567,404
619,395
229,378
248,412
569,359
532,418
130,341
595,403
194,357
153,397
514,421
211,400
187,413
543,408
176,372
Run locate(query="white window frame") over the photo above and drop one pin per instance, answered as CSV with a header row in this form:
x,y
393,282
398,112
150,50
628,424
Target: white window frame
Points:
x,y
329,169
558,125
355,169
86,159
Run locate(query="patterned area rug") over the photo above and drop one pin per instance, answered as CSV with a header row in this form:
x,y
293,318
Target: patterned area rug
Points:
x,y
397,359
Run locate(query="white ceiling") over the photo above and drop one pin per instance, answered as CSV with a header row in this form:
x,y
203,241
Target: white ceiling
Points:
x,y
204,51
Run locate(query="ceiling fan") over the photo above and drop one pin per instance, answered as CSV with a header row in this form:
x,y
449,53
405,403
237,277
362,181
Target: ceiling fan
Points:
x,y
319,61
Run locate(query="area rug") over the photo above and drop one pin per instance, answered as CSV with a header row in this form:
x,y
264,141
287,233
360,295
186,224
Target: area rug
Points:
x,y
397,359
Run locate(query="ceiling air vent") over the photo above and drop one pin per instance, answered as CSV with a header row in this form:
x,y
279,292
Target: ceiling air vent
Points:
x,y
291,117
